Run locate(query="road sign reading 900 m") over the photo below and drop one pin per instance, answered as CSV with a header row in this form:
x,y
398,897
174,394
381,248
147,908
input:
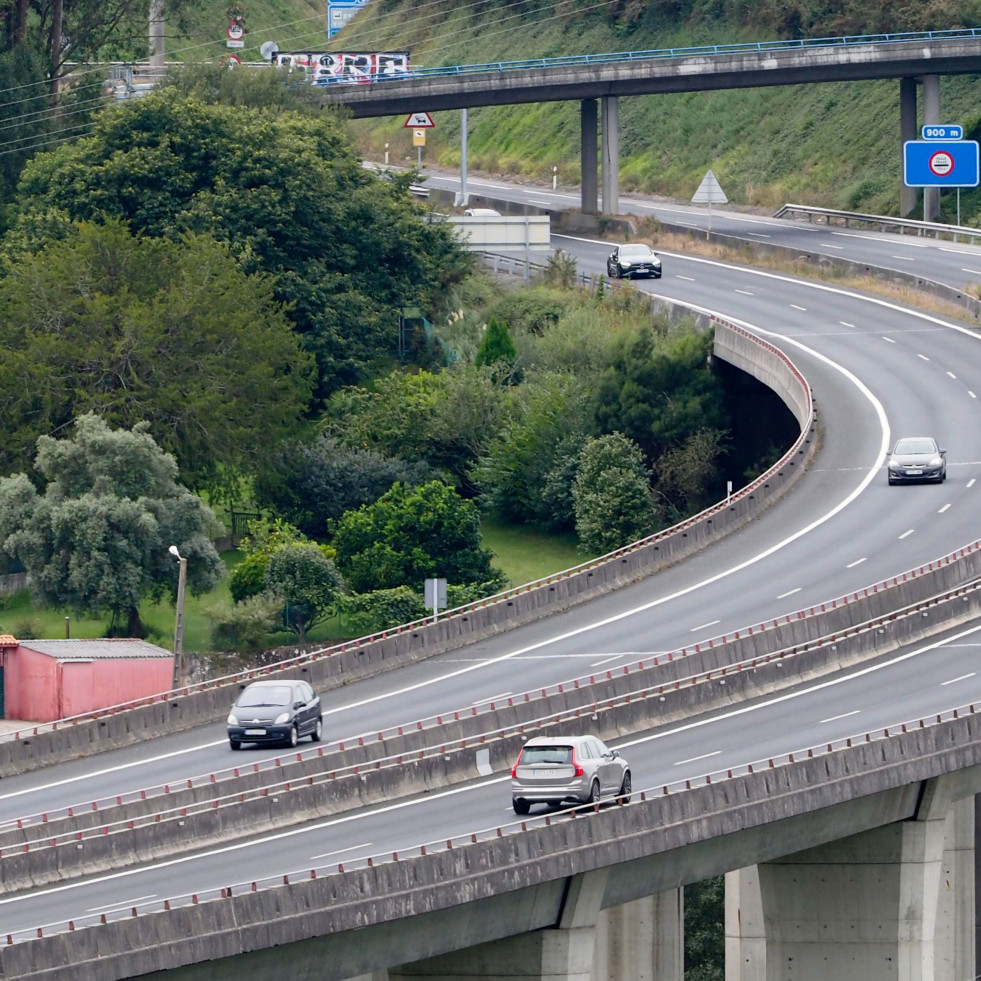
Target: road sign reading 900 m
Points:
x,y
940,163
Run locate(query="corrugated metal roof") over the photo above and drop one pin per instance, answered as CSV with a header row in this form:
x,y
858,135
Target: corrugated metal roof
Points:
x,y
102,648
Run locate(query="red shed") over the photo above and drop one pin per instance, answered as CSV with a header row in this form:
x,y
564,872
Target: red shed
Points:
x,y
45,680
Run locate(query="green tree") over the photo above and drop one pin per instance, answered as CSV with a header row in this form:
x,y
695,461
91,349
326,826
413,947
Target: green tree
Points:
x,y
659,389
705,956
306,580
348,248
248,578
96,538
611,495
445,419
548,410
308,484
497,352
684,475
409,535
135,329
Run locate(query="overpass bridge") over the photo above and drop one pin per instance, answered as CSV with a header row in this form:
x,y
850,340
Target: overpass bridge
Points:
x,y
599,81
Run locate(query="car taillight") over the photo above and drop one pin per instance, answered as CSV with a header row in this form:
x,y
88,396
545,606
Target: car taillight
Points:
x,y
580,772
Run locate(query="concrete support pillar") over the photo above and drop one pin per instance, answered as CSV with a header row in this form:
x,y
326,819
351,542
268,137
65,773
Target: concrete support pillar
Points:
x,y
907,131
890,904
642,941
955,953
611,155
931,114
562,953
589,160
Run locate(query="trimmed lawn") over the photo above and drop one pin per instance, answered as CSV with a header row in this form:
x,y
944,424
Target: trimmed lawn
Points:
x,y
524,554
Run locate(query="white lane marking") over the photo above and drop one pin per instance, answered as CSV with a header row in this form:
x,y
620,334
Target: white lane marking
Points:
x,y
923,357
606,660
950,374
759,234
953,681
452,792
115,906
341,851
845,323
881,237
690,279
944,508
702,626
970,483
973,396
904,258
851,565
947,248
906,534
835,718
889,339
828,245
973,272
795,307
790,592
695,759
746,292
492,698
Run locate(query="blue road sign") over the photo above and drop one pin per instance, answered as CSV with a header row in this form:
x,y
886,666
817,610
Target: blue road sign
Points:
x,y
940,163
934,131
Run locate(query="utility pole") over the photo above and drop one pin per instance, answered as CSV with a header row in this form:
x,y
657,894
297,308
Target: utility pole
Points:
x,y
156,33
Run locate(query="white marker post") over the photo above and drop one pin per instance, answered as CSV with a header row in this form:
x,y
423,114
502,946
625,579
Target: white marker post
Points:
x,y
709,191
436,596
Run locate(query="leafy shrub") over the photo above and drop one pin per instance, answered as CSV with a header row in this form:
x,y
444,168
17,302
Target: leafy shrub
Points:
x,y
246,626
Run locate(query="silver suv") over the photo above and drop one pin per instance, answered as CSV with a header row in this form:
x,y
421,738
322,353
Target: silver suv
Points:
x,y
550,770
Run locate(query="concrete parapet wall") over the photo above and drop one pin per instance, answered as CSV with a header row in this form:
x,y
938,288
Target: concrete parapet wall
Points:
x,y
332,667
718,826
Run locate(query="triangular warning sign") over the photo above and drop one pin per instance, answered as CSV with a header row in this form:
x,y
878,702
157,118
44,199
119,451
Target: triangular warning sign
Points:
x,y
709,191
419,120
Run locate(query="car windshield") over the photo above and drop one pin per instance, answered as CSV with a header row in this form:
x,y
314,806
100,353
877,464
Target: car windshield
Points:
x,y
266,695
546,754
916,446
634,251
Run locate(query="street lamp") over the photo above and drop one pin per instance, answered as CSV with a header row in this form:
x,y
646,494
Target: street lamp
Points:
x,y
179,625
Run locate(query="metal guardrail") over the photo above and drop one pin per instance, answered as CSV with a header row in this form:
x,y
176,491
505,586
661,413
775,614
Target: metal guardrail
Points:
x,y
886,223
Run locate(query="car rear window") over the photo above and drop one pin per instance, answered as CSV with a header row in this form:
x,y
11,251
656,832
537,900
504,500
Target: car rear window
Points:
x,y
546,754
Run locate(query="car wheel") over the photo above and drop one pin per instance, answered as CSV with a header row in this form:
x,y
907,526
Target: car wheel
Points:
x,y
554,803
594,793
520,806
318,731
294,737
234,743
625,788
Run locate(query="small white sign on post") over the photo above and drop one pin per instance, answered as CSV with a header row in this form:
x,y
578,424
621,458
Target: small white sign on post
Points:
x,y
436,596
709,192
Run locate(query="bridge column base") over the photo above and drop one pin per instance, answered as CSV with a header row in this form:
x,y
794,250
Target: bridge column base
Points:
x,y
891,904
642,940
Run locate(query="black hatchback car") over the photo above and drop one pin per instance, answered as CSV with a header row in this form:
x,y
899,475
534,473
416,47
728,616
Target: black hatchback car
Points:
x,y
281,711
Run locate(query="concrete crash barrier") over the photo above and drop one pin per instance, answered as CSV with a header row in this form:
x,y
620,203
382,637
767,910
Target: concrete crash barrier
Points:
x,y
331,667
681,834
318,786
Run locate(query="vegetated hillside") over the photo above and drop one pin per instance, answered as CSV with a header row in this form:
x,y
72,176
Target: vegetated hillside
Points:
x,y
835,145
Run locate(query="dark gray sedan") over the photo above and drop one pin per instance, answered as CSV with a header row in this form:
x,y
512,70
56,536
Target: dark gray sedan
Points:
x,y
917,458
280,711
553,769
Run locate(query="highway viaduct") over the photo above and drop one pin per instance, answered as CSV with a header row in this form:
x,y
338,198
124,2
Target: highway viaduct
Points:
x,y
855,861
599,81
